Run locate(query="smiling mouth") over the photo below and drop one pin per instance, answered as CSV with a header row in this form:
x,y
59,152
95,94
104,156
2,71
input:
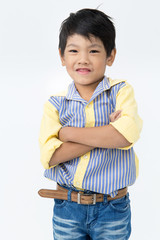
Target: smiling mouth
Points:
x,y
83,70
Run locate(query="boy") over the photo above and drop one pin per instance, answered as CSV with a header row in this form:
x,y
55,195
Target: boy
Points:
x,y
87,135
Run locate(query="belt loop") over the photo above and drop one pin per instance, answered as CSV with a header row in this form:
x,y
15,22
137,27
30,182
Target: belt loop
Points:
x,y
105,198
69,195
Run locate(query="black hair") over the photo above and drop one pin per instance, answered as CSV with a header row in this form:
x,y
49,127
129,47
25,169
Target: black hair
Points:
x,y
88,22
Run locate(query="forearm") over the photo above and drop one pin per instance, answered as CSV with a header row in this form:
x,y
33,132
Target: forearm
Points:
x,y
68,151
101,137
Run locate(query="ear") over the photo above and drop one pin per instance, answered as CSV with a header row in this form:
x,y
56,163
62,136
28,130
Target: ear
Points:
x,y
111,58
62,58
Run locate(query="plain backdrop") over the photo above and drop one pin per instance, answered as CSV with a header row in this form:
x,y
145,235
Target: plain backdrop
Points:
x,y
30,71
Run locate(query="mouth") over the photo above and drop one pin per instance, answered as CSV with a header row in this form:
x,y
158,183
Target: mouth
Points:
x,y
83,71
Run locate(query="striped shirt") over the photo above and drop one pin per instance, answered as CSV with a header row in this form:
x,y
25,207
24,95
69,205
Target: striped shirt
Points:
x,y
101,170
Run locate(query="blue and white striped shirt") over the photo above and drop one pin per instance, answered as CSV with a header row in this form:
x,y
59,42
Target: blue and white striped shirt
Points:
x,y
101,170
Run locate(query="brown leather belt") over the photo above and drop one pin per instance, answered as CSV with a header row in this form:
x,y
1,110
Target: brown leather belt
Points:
x,y
79,197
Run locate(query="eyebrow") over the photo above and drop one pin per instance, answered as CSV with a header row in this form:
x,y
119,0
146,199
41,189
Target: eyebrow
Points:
x,y
91,46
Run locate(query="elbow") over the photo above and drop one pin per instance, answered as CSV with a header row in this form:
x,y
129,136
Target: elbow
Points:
x,y
46,159
123,142
52,162
126,143
130,129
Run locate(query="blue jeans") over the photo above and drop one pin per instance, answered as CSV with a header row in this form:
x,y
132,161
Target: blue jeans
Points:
x,y
105,220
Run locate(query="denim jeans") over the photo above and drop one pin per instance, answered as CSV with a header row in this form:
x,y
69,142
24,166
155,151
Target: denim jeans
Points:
x,y
105,220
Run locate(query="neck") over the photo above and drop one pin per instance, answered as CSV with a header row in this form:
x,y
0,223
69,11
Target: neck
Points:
x,y
86,91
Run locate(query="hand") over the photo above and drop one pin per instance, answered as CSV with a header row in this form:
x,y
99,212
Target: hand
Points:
x,y
115,115
64,133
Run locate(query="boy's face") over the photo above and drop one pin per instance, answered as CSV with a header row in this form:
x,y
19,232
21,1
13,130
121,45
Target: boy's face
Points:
x,y
85,60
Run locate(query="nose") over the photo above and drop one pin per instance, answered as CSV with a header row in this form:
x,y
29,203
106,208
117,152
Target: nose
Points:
x,y
83,58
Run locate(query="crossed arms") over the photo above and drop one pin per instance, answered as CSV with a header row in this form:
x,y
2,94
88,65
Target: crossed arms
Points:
x,y
58,145
78,141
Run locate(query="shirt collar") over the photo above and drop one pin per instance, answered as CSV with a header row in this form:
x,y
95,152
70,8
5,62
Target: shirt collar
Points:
x,y
72,93
102,86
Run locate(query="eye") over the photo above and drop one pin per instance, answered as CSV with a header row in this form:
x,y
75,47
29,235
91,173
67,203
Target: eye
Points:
x,y
94,51
73,51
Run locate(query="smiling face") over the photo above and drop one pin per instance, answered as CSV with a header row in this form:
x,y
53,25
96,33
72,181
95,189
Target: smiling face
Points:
x,y
85,60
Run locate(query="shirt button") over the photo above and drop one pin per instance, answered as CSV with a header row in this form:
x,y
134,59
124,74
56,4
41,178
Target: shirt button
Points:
x,y
77,183
89,105
85,156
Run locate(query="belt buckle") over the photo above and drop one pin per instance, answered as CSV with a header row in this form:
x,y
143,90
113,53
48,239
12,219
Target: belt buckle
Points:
x,y
82,193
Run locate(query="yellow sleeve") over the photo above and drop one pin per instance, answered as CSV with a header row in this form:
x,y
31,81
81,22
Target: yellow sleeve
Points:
x,y
129,124
48,138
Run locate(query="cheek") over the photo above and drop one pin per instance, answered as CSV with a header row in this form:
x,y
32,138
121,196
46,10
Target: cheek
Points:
x,y
70,69
68,65
101,65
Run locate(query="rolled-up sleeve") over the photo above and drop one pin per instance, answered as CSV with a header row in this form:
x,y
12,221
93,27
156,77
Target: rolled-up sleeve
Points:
x,y
129,124
48,138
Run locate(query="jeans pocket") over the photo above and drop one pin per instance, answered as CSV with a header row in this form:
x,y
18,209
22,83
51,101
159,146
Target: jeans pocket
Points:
x,y
121,204
59,203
